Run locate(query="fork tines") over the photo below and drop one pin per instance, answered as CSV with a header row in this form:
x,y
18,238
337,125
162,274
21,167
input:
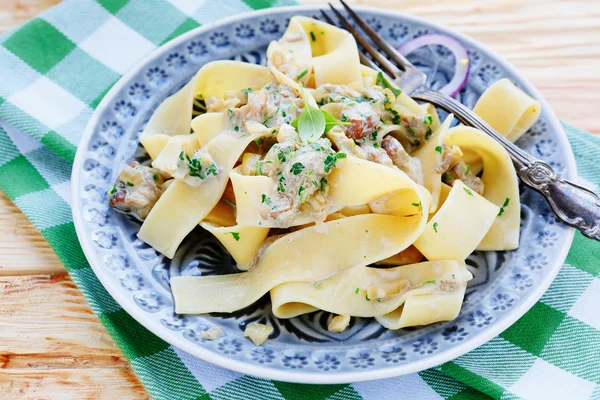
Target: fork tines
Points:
x,y
392,66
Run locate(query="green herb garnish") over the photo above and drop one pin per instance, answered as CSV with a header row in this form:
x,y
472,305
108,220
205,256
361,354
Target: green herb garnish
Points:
x,y
416,204
502,209
356,291
235,235
438,149
323,185
431,282
468,191
155,177
467,170
297,168
331,160
435,225
268,118
317,285
428,119
313,37
246,91
265,199
129,183
301,74
381,81
259,141
114,190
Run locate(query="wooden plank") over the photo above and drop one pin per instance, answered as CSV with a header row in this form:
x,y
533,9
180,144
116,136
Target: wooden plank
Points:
x,y
15,12
64,384
52,344
23,250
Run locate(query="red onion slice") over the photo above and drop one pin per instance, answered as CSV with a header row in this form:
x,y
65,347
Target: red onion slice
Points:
x,y
461,56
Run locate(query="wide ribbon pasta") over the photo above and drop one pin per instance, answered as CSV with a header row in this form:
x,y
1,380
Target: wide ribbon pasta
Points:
x,y
415,294
182,206
174,115
508,109
318,251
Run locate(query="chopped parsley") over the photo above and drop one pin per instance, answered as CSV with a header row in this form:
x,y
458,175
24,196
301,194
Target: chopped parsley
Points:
x,y
367,297
303,194
280,187
396,119
428,119
155,177
449,177
297,168
322,102
313,37
416,204
236,235
268,118
502,209
428,133
331,160
381,81
246,91
412,131
453,276
438,149
283,114
301,74
236,128
196,169
468,191
316,146
265,199
431,282
366,230
113,190
467,170
129,183
281,156
435,225
259,141
356,291
323,185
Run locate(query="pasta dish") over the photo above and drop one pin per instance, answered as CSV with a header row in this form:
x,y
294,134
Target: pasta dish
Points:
x,y
331,188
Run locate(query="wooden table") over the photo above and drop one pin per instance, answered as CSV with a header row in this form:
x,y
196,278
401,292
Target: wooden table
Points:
x,y
51,343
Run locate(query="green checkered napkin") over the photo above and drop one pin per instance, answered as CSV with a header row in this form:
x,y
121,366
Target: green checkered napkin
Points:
x,y
56,68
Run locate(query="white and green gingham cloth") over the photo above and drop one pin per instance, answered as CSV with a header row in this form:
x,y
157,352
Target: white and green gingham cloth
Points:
x,y
56,68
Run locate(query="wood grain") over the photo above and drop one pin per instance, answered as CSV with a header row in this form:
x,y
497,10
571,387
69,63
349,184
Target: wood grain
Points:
x,y
53,346
23,250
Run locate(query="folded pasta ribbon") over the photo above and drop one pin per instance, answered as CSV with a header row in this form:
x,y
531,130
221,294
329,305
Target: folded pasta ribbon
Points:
x,y
415,294
319,251
174,115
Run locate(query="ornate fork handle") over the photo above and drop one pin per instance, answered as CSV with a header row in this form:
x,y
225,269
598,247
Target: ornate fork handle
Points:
x,y
574,205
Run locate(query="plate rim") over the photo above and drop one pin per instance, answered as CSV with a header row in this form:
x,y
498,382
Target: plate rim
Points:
x,y
312,377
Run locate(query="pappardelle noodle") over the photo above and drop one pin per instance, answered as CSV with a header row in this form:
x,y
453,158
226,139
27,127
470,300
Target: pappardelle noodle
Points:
x,y
316,171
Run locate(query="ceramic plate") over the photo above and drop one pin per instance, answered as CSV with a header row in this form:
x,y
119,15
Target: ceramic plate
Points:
x,y
505,284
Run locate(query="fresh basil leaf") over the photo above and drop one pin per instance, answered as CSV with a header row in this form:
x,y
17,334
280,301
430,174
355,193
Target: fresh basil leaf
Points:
x,y
331,121
310,125
381,81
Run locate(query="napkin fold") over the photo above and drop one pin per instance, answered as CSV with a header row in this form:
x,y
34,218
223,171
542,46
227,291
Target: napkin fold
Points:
x,y
57,67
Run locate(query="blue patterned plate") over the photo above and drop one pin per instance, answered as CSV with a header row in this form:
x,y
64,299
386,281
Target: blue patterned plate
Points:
x,y
505,284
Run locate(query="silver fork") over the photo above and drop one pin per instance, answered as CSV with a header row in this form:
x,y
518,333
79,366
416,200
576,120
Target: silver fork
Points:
x,y
576,206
